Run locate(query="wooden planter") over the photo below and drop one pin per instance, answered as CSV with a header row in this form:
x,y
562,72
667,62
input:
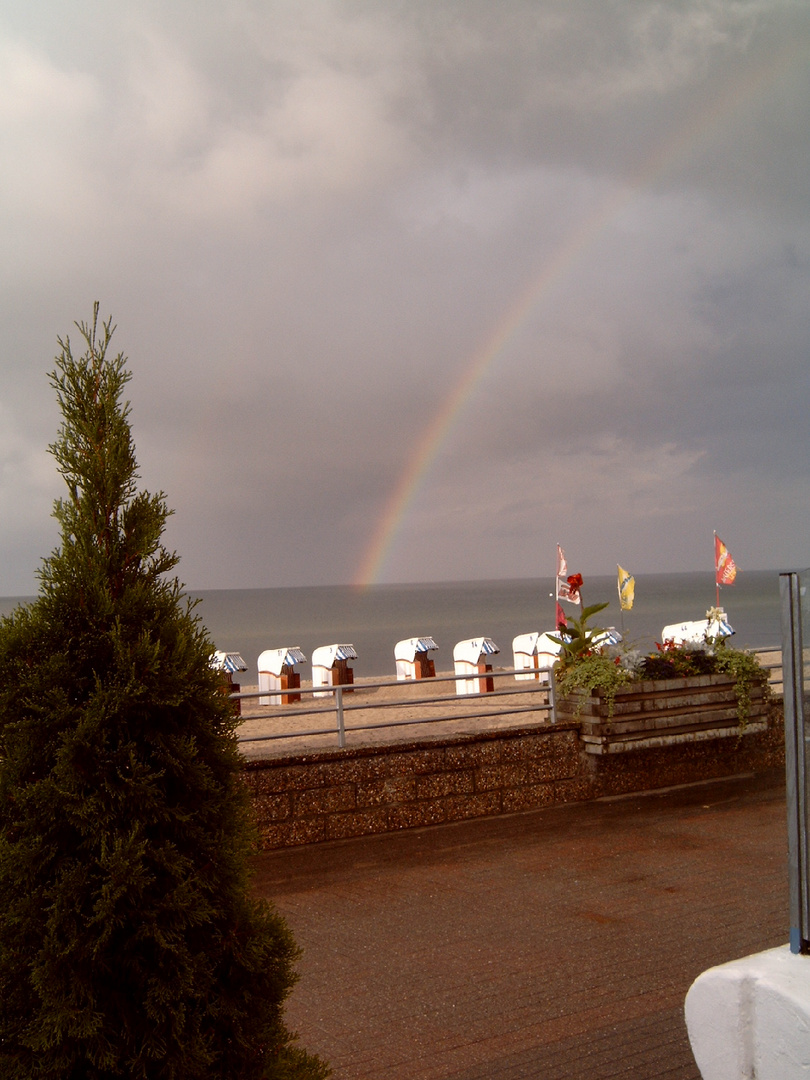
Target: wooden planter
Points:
x,y
661,713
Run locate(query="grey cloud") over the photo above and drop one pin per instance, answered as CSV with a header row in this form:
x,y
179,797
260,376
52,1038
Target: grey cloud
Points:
x,y
310,222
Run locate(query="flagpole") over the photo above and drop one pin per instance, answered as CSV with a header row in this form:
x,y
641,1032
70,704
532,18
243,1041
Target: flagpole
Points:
x,y
716,582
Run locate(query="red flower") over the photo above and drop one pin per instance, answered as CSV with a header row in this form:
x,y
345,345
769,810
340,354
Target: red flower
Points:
x,y
575,581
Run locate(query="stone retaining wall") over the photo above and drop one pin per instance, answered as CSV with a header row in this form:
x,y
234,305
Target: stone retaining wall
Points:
x,y
335,794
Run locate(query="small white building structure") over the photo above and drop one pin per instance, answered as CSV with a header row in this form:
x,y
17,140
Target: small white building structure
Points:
x,y
413,660
534,651
330,666
469,659
277,672
699,631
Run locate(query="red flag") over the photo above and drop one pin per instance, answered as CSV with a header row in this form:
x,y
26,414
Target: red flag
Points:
x,y
559,619
725,569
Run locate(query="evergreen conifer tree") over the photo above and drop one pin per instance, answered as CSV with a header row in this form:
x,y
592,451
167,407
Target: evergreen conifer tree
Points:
x,y
130,945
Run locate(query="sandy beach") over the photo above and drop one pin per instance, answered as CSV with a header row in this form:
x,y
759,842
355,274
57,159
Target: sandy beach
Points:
x,y
403,703
413,706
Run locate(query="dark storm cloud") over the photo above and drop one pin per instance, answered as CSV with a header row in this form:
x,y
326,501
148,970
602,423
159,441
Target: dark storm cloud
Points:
x,y
308,221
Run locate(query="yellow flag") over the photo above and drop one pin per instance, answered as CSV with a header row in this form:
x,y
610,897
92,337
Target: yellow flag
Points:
x,y
627,589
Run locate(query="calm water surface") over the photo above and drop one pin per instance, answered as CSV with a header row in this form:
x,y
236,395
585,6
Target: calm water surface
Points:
x,y
248,621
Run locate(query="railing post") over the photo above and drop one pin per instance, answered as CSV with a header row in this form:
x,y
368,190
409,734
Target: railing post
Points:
x,y
341,728
795,762
552,696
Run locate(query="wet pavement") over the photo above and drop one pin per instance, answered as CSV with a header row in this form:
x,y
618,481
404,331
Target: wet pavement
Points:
x,y
557,943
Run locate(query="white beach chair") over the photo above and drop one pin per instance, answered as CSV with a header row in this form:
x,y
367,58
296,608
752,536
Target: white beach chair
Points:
x,y
277,673
469,659
534,651
412,656
696,632
330,667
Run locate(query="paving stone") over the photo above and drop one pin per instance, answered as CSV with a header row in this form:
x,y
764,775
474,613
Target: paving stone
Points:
x,y
556,944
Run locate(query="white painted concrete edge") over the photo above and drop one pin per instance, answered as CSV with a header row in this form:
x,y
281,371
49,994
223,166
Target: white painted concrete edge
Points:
x,y
750,1019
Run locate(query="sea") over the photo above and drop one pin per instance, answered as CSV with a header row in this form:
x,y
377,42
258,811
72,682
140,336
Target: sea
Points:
x,y
375,618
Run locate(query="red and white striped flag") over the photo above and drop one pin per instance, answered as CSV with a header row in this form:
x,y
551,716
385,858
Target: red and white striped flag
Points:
x,y
567,588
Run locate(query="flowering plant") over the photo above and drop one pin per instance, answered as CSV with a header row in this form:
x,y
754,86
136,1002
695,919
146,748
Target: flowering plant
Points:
x,y
577,639
588,662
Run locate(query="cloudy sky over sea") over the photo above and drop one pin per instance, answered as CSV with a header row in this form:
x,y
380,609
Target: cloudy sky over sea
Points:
x,y
415,290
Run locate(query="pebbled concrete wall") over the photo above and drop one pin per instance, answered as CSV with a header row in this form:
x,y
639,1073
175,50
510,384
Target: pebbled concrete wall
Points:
x,y
336,794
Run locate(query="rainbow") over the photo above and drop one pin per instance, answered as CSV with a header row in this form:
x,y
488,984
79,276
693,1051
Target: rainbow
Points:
x,y
665,156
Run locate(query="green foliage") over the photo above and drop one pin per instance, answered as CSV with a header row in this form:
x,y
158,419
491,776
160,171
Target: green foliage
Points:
x,y
716,657
130,946
678,662
596,671
586,666
579,638
747,672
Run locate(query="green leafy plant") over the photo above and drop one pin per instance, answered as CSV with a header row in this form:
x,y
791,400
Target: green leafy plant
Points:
x,y
584,663
587,664
595,671
715,657
579,640
678,661
747,673
130,944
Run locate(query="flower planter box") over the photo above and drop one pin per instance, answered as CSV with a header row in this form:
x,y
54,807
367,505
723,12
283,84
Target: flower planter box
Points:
x,y
662,713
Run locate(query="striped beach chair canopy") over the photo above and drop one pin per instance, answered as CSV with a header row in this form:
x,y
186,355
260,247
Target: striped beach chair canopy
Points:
x,y
274,660
228,661
696,632
409,647
609,636
471,650
326,655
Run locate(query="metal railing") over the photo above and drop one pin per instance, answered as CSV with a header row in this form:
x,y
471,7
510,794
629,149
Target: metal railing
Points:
x,y
797,737
345,701
342,710
775,677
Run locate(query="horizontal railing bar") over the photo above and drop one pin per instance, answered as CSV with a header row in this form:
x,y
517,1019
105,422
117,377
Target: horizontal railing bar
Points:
x,y
451,716
336,702
351,706
398,723
403,702
292,734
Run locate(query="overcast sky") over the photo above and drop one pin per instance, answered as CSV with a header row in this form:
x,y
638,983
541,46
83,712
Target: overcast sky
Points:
x,y
415,289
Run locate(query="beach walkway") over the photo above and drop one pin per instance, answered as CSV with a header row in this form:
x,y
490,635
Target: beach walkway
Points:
x,y
555,944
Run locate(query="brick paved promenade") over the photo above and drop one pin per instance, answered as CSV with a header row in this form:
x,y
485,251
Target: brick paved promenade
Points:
x,y
557,943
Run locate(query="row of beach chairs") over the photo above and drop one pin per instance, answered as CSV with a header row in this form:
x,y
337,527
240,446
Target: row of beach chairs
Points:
x,y
280,679
534,655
